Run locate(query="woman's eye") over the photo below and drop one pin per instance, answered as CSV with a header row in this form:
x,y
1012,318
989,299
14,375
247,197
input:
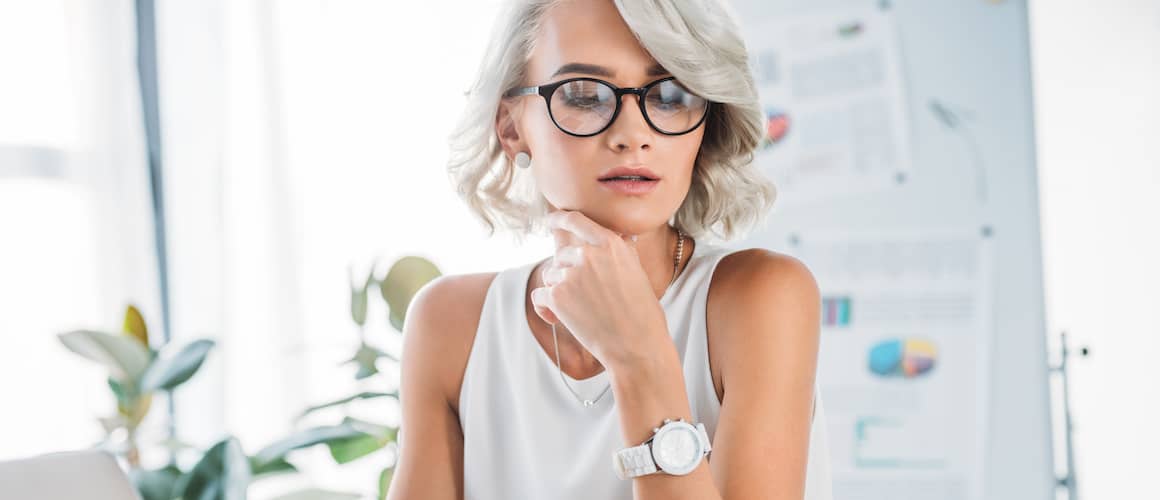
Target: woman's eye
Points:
x,y
583,101
674,101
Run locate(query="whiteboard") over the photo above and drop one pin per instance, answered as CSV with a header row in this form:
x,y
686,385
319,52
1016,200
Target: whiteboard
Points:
x,y
950,159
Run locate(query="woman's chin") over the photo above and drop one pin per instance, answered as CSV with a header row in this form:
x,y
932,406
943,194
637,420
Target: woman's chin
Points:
x,y
630,227
619,223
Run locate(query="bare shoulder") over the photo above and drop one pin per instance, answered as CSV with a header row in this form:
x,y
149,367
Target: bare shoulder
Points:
x,y
442,319
755,293
743,272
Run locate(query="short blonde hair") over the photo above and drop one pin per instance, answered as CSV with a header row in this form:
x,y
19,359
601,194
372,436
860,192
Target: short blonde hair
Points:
x,y
698,41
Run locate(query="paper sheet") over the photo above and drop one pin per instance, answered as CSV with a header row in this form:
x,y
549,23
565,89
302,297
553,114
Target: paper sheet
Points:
x,y
906,323
832,91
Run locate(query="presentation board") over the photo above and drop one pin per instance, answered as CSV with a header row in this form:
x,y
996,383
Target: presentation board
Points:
x,y
901,139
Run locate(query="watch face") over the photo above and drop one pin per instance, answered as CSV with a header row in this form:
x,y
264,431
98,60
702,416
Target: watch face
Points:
x,y
676,448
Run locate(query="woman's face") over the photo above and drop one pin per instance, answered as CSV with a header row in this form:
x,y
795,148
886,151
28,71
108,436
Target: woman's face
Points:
x,y
567,168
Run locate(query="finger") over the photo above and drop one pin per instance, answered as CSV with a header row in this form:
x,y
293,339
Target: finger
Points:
x,y
540,301
554,275
562,237
579,226
565,239
569,256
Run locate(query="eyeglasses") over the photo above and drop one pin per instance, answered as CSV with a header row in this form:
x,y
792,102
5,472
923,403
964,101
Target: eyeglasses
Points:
x,y
584,107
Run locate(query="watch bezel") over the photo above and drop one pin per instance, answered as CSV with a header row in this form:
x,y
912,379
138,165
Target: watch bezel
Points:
x,y
677,469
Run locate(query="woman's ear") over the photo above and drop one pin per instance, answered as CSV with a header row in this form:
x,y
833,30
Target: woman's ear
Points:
x,y
506,129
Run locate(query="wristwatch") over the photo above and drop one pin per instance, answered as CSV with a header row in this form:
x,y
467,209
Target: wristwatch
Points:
x,y
676,447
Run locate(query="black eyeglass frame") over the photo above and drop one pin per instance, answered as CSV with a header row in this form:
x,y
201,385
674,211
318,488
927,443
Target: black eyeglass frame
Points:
x,y
548,89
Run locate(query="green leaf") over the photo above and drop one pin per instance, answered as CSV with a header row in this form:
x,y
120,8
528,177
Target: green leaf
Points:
x,y
375,437
349,450
405,278
276,466
366,358
358,298
132,406
125,395
396,321
158,484
222,474
369,428
135,326
167,373
125,357
385,482
303,439
358,306
139,411
361,395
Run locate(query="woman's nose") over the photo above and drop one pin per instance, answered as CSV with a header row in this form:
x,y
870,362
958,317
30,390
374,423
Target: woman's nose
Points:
x,y
630,130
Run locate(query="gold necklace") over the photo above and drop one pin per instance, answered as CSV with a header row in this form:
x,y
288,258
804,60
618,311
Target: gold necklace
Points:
x,y
555,340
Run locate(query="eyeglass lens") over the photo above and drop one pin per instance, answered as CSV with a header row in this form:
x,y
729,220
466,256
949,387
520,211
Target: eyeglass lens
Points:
x,y
585,107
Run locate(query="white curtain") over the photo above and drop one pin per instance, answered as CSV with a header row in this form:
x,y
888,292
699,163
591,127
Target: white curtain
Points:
x,y
76,234
233,248
304,138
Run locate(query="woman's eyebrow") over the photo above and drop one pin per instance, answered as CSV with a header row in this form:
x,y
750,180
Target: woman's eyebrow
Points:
x,y
593,69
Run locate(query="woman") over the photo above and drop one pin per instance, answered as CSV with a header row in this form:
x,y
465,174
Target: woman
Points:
x,y
617,367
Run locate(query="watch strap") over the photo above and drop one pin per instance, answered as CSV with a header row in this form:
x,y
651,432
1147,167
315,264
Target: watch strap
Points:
x,y
634,461
704,436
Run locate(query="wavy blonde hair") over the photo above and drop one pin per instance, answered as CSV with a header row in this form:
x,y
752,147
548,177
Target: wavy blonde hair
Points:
x,y
698,41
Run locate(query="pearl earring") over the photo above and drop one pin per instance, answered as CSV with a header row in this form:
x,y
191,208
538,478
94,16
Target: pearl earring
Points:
x,y
523,160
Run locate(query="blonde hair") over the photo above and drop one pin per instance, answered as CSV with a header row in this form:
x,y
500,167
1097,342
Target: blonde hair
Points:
x,y
698,41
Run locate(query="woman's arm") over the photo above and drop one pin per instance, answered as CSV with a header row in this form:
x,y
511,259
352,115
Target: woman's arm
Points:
x,y
767,328
430,465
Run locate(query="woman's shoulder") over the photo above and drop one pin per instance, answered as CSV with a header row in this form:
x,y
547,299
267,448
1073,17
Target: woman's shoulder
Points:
x,y
451,304
739,267
440,327
748,281
445,293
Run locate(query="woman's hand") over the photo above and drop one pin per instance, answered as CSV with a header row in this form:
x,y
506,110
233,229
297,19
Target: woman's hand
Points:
x,y
596,287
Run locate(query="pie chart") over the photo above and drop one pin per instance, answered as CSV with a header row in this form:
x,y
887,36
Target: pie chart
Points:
x,y
776,127
902,358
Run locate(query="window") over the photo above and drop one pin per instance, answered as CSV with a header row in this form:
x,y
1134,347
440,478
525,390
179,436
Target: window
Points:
x,y
71,228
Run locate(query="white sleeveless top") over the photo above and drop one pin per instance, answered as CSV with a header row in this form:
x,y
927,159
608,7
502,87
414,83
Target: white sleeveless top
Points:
x,y
526,437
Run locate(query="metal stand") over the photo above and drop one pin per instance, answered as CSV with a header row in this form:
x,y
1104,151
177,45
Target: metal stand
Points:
x,y
1069,479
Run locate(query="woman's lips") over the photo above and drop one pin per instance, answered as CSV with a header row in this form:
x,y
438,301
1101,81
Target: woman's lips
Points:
x,y
629,186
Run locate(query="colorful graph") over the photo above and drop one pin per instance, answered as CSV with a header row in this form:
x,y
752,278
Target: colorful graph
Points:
x,y
836,311
906,358
883,442
776,127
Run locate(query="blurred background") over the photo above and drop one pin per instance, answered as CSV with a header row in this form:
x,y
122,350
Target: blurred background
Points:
x,y
263,182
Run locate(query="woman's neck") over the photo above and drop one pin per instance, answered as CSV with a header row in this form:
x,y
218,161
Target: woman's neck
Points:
x,y
656,250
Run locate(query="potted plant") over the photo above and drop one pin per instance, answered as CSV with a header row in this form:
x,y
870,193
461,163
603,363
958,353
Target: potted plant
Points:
x,y
137,372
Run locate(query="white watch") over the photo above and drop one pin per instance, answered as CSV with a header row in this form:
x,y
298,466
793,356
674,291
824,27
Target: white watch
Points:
x,y
676,447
